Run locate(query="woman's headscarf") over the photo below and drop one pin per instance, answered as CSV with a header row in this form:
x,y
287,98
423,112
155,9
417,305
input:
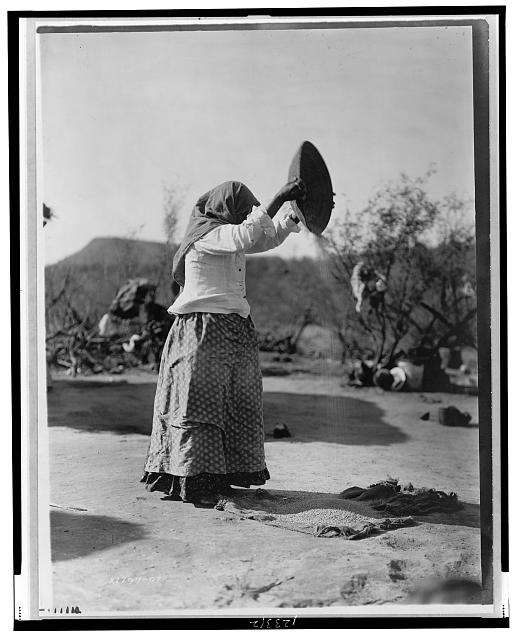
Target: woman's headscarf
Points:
x,y
228,203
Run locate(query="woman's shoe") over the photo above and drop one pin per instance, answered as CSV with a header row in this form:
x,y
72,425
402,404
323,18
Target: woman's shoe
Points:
x,y
206,500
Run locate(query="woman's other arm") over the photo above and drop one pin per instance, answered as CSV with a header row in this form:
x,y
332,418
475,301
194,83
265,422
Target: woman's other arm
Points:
x,y
284,226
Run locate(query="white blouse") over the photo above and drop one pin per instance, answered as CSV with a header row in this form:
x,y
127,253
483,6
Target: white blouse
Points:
x,y
215,266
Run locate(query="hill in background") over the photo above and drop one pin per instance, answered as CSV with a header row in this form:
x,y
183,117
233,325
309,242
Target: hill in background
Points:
x,y
112,251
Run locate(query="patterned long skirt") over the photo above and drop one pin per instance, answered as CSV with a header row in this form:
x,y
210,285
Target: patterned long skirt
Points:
x,y
207,431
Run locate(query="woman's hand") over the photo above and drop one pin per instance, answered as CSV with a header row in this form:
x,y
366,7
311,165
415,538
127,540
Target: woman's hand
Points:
x,y
294,190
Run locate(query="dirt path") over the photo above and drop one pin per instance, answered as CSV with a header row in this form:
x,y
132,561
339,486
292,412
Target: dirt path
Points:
x,y
129,550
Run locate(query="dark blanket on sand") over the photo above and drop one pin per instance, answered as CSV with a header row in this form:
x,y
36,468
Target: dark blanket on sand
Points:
x,y
390,498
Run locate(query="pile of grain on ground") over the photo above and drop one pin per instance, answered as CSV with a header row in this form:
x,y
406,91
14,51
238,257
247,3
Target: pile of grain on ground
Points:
x,y
303,511
327,517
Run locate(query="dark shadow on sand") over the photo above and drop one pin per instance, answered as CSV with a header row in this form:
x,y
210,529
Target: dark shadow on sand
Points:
x,y
127,408
328,418
74,535
101,406
471,425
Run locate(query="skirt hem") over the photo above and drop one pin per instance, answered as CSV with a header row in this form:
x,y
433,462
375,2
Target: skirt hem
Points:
x,y
191,488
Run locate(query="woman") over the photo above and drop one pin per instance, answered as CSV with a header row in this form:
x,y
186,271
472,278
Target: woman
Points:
x,y
208,430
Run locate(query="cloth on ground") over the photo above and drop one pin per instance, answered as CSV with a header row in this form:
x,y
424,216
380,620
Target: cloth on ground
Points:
x,y
388,496
369,529
320,515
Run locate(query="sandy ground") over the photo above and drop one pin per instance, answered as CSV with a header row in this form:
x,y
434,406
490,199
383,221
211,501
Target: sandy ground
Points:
x,y
127,550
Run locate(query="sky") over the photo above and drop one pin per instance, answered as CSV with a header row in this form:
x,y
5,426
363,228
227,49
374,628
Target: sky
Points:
x,y
125,115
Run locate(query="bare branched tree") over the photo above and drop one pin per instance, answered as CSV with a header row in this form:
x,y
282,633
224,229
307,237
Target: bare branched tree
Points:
x,y
173,200
399,235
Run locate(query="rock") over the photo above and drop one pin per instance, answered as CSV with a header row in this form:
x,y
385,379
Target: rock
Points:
x,y
425,416
281,431
453,417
